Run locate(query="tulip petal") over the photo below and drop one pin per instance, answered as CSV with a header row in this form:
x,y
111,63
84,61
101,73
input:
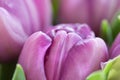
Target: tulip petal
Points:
x,y
19,10
53,57
84,58
12,36
72,12
62,43
32,56
114,50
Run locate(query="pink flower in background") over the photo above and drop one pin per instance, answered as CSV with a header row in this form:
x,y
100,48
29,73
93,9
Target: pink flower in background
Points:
x,y
19,19
68,52
91,12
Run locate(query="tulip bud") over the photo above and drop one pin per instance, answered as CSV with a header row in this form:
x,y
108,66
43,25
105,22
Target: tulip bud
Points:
x,y
91,12
19,19
73,53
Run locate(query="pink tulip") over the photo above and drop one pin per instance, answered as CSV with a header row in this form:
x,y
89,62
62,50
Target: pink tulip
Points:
x,y
19,19
91,12
67,52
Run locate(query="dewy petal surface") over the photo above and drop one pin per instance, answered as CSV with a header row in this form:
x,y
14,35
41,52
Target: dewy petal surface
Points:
x,y
12,36
84,58
32,56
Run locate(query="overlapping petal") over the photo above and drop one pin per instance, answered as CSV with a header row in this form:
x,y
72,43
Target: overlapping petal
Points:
x,y
73,53
32,56
19,19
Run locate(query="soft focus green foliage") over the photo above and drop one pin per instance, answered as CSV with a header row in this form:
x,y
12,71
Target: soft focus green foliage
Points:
x,y
115,24
6,71
0,71
19,73
107,67
109,30
106,32
114,73
111,71
98,75
55,6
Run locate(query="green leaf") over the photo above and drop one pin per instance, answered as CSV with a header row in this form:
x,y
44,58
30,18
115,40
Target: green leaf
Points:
x,y
106,32
115,24
114,73
19,73
97,75
55,6
107,67
111,71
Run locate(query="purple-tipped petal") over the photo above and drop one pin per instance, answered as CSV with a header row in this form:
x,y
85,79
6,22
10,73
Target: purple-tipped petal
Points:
x,y
32,56
83,30
84,58
12,36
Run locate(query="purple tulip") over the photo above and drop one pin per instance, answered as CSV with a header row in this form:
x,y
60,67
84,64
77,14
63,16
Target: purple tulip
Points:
x,y
68,52
87,11
12,36
19,19
115,49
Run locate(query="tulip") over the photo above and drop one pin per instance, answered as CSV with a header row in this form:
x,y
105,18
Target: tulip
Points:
x,y
18,20
115,48
67,52
12,36
91,12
